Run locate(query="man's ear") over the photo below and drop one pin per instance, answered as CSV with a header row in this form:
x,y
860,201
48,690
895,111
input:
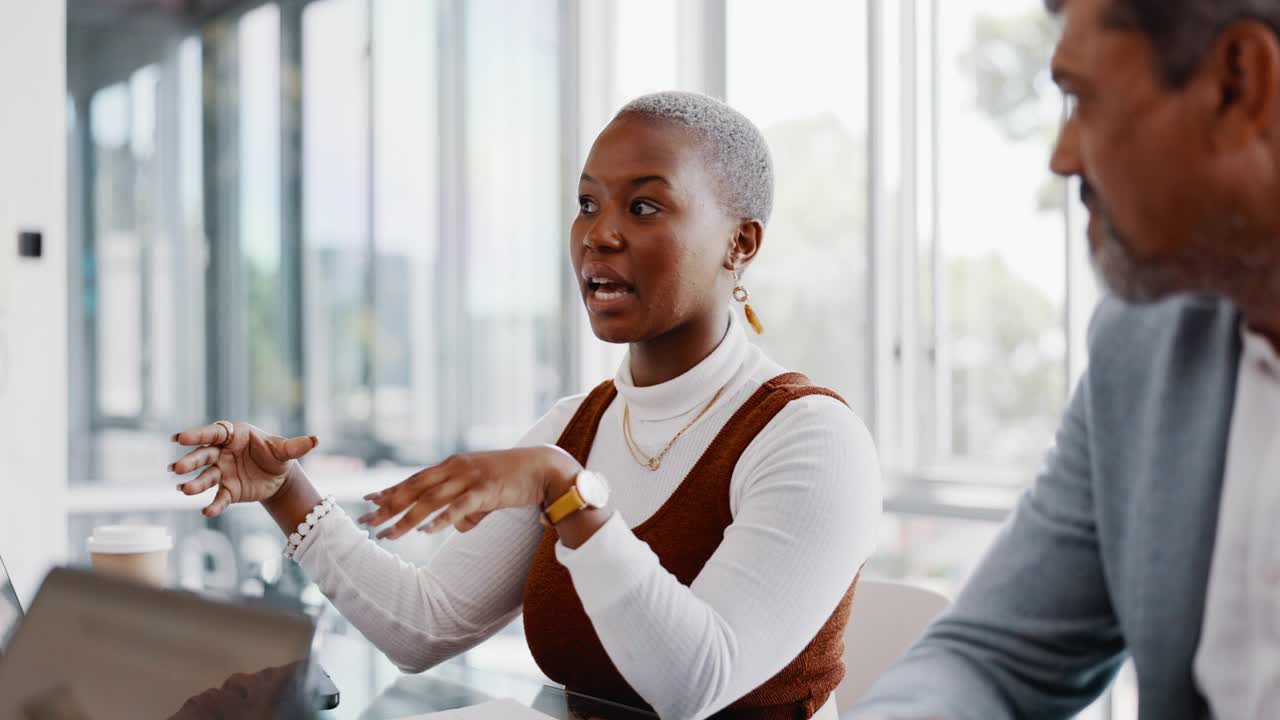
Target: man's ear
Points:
x,y
1243,69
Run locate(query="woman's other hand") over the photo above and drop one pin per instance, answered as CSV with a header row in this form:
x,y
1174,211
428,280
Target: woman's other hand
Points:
x,y
470,486
249,466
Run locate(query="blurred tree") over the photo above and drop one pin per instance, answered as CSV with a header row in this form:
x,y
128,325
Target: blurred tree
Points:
x,y
1006,359
1007,336
811,278
1009,62
273,391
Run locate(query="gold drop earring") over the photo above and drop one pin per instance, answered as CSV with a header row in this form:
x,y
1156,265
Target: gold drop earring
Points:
x,y
741,295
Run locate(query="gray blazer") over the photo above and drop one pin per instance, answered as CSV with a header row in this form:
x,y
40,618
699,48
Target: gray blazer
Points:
x,y
1107,555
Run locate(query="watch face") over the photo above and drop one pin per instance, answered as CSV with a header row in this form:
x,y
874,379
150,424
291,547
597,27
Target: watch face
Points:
x,y
593,488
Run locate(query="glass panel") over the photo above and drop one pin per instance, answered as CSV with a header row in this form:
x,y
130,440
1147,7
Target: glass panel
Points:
x,y
335,217
937,552
515,251
1002,238
137,166
809,283
645,49
119,253
406,224
273,391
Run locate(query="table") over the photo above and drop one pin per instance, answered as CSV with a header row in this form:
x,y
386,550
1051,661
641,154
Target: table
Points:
x,y
453,685
372,690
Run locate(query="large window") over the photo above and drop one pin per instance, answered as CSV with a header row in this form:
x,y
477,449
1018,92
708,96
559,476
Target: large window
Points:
x,y
515,255
1002,238
406,225
811,274
273,387
138,305
340,250
434,284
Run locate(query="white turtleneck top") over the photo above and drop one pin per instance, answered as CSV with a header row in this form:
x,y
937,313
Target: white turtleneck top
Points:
x,y
805,498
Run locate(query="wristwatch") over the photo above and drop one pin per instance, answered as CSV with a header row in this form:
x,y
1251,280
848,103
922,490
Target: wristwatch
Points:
x,y
590,490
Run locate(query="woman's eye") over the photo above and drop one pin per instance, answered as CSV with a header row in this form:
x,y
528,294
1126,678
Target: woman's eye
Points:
x,y
640,207
586,205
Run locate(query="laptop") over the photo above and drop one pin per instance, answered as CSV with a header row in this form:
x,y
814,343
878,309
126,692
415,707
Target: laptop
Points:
x,y
320,689
99,647
10,607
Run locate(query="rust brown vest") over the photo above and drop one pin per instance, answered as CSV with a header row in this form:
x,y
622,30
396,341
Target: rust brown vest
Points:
x,y
683,533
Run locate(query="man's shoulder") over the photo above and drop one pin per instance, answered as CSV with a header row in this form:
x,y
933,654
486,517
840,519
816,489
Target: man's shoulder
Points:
x,y
1126,336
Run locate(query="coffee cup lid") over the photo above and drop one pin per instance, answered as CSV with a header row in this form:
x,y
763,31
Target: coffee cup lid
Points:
x,y
128,539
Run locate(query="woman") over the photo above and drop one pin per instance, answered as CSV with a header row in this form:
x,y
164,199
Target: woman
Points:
x,y
719,570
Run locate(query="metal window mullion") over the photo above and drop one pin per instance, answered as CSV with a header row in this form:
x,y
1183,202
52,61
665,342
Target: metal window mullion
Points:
x,y
368,343
82,311
701,47
883,283
227,365
715,51
169,224
875,289
195,272
144,234
292,252
571,330
909,238
451,343
942,408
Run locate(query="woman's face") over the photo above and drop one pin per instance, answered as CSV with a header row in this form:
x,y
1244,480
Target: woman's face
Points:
x,y
651,242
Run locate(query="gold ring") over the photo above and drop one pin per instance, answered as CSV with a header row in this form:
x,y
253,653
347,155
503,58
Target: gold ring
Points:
x,y
229,429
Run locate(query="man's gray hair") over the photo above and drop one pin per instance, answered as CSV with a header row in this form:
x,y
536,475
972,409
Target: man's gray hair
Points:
x,y
1183,31
736,151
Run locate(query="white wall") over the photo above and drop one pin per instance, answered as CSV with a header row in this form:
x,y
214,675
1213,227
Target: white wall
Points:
x,y
33,293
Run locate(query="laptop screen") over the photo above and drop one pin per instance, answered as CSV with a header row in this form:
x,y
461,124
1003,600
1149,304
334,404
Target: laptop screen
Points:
x,y
10,608
99,647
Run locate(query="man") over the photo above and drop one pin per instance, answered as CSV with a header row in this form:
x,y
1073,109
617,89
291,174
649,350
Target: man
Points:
x,y
1153,530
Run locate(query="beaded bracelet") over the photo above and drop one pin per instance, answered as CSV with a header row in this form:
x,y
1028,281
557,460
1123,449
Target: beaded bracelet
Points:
x,y
306,526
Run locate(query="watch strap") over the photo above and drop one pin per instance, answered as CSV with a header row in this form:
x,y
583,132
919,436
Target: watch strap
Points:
x,y
564,506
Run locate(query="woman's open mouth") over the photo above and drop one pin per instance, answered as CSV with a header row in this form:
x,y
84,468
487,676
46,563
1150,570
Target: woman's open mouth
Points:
x,y
606,290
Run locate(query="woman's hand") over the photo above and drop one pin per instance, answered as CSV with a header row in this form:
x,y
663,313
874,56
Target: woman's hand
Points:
x,y
250,466
471,486
243,695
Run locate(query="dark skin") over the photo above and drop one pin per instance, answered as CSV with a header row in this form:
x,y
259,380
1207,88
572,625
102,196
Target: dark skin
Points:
x,y
652,223
649,212
1180,182
242,697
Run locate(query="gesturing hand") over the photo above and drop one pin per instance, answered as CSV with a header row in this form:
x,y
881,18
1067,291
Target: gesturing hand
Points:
x,y
471,486
250,466
244,696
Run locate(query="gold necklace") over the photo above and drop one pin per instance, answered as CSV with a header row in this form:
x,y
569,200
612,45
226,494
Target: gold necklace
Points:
x,y
653,463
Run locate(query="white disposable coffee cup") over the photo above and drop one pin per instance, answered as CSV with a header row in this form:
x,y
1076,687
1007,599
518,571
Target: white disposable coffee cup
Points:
x,y
140,552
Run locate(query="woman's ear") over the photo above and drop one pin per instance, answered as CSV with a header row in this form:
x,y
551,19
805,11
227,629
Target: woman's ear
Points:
x,y
745,246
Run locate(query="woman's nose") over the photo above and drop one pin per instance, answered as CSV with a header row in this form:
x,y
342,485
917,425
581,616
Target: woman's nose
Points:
x,y
603,235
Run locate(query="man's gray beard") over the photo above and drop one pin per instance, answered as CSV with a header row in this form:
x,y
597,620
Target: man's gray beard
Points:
x,y
1248,277
1130,279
